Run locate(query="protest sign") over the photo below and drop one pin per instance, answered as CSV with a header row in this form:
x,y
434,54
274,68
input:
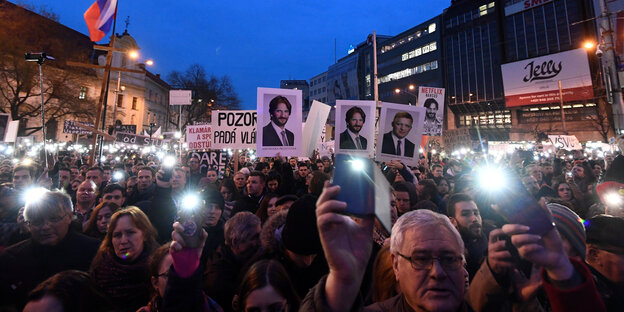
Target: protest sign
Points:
x,y
355,121
234,129
213,159
71,127
400,132
432,99
566,142
279,115
140,140
199,137
180,97
126,128
313,128
326,148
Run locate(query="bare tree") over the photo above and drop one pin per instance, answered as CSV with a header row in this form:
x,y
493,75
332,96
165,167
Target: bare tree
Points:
x,y
209,93
601,122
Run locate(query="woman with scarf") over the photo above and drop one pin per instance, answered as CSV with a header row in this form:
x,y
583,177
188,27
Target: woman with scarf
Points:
x,y
120,268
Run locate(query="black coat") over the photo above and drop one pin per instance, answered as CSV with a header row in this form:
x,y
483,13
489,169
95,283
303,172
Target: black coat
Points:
x,y
26,264
271,138
159,207
388,146
346,142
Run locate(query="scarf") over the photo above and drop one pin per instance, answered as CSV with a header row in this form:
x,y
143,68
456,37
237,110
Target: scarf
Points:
x,y
126,284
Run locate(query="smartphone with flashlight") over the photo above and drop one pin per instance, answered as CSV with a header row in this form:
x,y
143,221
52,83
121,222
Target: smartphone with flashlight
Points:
x,y
357,188
517,206
191,217
167,166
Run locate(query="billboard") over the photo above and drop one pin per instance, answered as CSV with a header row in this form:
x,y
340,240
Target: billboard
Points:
x,y
536,81
342,81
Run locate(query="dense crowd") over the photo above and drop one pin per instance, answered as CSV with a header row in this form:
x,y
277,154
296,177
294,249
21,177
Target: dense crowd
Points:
x,y
122,236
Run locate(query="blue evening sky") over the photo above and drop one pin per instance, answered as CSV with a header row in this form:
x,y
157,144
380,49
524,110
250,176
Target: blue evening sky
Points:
x,y
256,43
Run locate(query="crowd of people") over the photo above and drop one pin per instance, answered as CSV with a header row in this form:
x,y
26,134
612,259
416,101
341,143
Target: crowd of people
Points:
x,y
124,236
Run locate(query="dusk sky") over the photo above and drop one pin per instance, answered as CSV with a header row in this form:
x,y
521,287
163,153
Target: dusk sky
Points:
x,y
255,43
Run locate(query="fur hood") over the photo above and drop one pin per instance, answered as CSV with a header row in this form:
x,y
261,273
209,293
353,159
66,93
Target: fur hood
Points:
x,y
271,242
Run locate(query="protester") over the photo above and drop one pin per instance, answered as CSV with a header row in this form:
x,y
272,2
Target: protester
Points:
x,y
97,226
255,190
266,287
67,291
47,251
120,267
242,242
85,201
267,207
114,193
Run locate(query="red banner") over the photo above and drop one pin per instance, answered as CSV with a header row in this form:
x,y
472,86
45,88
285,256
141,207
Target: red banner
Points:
x,y
534,98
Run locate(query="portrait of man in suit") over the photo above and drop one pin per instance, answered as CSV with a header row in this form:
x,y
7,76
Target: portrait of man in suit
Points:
x,y
275,133
351,138
395,141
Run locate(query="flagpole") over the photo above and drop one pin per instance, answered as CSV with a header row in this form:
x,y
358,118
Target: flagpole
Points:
x,y
103,96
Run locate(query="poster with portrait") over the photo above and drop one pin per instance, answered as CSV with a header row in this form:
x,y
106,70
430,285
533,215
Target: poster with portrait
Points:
x,y
355,127
432,99
279,122
400,132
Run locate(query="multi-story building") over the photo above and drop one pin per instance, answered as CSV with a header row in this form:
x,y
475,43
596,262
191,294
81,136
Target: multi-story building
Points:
x,y
408,60
534,34
299,85
472,52
143,97
318,88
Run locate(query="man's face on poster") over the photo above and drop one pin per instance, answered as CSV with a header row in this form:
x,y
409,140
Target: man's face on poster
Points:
x,y
280,115
432,110
401,127
355,123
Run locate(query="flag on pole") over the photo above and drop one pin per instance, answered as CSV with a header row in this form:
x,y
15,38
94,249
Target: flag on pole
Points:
x,y
99,18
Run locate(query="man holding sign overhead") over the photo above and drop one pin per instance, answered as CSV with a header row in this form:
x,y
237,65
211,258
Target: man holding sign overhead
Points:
x,y
275,133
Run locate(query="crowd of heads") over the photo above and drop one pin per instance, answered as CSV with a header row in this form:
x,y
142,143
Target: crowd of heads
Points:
x,y
263,236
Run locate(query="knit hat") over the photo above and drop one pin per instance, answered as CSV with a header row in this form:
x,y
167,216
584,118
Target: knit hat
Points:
x,y
606,231
570,226
300,234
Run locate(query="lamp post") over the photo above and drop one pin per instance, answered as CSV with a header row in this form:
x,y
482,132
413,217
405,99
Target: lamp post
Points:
x,y
40,57
411,87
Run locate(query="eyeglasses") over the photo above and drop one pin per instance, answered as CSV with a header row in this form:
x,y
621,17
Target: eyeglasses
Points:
x,y
41,222
449,262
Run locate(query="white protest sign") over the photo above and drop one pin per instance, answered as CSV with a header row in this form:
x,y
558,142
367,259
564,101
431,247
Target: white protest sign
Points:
x,y
326,148
314,126
199,137
400,133
567,142
280,118
11,132
234,129
180,97
432,99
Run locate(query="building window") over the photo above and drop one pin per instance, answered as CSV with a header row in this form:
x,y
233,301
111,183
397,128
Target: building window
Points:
x,y
134,103
119,100
432,28
432,46
83,93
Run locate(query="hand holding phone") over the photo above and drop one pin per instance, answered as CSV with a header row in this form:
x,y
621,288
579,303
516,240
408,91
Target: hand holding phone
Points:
x,y
354,175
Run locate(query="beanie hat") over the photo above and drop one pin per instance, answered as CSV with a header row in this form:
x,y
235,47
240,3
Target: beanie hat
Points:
x,y
606,231
570,226
300,234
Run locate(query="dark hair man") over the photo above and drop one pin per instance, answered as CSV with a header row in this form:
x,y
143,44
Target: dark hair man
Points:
x,y
96,174
605,256
273,182
114,193
351,138
255,190
23,177
395,141
53,247
464,215
275,133
433,124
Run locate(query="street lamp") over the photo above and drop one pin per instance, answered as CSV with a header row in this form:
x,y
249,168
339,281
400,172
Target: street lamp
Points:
x,y
411,87
133,55
589,45
40,57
